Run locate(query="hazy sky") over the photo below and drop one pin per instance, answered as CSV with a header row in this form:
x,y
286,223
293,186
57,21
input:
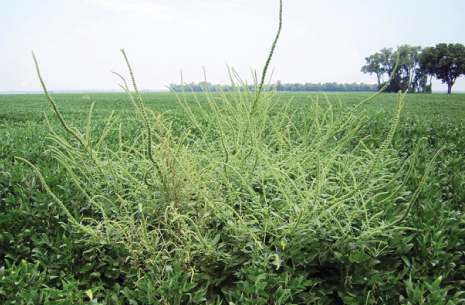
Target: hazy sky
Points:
x,y
77,42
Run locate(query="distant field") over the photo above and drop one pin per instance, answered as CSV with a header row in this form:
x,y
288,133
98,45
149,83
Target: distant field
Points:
x,y
22,125
433,249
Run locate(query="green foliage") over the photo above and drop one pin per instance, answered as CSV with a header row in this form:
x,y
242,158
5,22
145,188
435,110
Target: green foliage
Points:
x,y
241,197
445,61
408,77
243,187
32,223
25,284
17,280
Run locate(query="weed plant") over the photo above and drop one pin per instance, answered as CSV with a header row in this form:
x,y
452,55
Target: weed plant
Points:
x,y
250,204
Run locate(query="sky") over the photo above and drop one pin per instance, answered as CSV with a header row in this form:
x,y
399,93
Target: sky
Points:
x,y
77,42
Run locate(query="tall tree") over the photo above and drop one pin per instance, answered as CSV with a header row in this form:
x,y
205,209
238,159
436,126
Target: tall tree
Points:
x,y
409,66
420,80
408,74
445,61
374,65
388,60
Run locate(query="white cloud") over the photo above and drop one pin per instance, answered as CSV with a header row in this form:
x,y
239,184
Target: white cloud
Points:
x,y
142,7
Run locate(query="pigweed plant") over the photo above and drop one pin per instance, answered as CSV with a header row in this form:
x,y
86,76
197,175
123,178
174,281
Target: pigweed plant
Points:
x,y
250,185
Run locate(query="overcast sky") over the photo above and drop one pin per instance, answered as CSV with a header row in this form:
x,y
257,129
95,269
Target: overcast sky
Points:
x,y
77,42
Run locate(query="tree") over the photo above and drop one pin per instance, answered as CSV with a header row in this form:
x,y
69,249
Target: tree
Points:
x,y
420,80
445,61
374,65
408,76
409,63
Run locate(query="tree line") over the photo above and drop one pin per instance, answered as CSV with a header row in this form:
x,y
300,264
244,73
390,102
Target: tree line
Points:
x,y
197,87
446,62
